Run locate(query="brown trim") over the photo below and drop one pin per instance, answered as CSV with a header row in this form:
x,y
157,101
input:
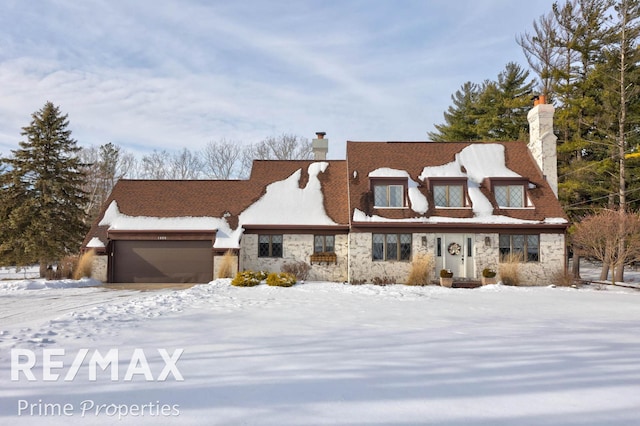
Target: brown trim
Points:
x,y
490,182
449,181
457,228
295,229
194,235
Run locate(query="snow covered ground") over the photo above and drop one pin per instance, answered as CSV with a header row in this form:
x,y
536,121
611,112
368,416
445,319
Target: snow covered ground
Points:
x,y
321,353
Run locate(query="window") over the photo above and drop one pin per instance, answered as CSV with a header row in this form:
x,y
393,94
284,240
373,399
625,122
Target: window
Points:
x,y
391,247
509,195
524,247
270,246
324,243
448,195
388,195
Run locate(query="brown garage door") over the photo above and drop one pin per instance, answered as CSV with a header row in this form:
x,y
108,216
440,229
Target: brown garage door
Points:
x,y
162,261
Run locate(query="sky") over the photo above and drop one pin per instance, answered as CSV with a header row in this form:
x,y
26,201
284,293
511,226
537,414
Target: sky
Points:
x,y
165,75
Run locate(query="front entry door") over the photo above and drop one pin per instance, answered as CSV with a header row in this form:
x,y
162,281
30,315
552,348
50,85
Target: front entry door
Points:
x,y
456,253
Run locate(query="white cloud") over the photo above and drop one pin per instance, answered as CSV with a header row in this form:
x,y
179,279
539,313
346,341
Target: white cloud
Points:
x,y
169,74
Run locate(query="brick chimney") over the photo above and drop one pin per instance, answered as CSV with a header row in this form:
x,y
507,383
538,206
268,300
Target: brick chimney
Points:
x,y
320,146
542,141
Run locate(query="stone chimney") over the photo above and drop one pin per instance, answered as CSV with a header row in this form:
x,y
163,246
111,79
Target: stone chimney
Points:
x,y
320,146
542,141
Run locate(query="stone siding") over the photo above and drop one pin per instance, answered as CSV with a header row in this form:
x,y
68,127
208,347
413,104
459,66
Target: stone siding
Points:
x,y
99,268
296,248
552,261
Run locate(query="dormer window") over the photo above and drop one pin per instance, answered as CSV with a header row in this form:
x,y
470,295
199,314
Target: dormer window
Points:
x,y
389,194
451,193
448,195
509,195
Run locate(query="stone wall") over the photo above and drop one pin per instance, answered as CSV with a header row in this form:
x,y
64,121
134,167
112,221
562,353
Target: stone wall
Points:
x,y
552,261
99,268
362,267
296,248
486,254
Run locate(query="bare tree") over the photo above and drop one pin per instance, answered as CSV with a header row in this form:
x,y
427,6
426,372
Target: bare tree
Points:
x,y
103,167
223,160
540,50
613,237
154,165
185,165
283,147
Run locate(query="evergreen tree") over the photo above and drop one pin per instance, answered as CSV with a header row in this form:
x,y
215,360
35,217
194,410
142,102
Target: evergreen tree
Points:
x,y
461,118
492,111
41,213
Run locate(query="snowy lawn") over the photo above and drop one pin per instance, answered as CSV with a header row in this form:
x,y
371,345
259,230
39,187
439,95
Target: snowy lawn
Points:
x,y
325,353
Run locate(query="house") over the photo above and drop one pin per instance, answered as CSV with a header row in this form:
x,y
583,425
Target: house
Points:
x,y
358,220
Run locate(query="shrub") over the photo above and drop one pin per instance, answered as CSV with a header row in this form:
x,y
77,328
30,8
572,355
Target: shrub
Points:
x,y
383,280
446,273
488,273
421,267
283,279
299,269
562,278
246,279
227,264
358,281
510,269
85,265
63,270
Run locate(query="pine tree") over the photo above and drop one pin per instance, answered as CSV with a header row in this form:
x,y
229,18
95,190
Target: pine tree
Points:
x,y
461,118
491,111
41,200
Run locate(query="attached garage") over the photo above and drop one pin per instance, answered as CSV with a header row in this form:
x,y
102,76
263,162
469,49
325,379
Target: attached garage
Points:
x,y
161,261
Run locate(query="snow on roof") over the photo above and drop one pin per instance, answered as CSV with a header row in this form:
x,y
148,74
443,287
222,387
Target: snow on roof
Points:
x,y
284,203
122,222
475,162
360,216
95,243
418,201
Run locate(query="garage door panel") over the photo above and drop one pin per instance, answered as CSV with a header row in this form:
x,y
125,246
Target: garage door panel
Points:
x,y
163,261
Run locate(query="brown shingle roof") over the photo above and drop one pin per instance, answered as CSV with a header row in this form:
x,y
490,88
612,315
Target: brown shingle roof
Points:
x,y
364,157
214,198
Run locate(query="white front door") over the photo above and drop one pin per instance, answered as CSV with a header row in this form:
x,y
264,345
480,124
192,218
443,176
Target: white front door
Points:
x,y
455,253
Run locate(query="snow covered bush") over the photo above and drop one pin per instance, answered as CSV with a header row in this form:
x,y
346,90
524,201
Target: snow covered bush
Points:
x,y
283,279
246,279
421,268
299,269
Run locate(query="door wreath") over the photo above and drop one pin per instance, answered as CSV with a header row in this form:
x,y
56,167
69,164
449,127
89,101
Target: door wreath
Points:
x,y
454,249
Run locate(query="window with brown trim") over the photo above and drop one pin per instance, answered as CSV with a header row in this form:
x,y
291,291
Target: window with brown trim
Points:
x,y
324,243
391,247
509,195
519,248
388,195
448,195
